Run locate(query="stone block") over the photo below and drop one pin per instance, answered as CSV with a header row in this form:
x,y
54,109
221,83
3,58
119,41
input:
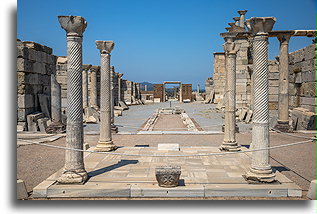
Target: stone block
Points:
x,y
308,101
42,123
273,76
21,190
298,77
273,98
50,69
32,121
308,89
273,105
22,52
299,56
38,47
312,190
23,112
309,76
39,68
309,52
274,83
303,119
167,176
24,65
25,101
21,126
170,146
273,90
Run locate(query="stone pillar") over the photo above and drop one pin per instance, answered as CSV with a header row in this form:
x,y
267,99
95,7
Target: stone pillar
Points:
x,y
93,87
114,128
198,88
283,105
163,100
85,85
56,100
145,87
74,171
260,170
231,49
236,19
105,141
120,87
242,17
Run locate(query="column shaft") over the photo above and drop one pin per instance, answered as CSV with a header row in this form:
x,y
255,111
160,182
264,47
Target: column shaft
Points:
x,y
56,100
93,89
85,88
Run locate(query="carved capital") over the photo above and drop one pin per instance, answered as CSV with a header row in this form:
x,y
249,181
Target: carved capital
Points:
x,y
73,25
86,67
260,25
284,38
242,12
105,47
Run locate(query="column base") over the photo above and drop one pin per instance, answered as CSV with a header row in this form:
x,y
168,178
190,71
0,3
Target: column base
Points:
x,y
260,176
105,146
73,177
283,126
230,147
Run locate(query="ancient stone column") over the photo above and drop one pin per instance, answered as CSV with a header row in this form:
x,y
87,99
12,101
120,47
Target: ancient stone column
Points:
x,y
85,85
114,128
145,87
198,88
231,49
120,87
93,87
74,171
283,105
260,170
105,140
56,100
242,17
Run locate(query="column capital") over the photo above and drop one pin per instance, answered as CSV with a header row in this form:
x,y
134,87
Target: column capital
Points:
x,y
260,25
236,19
242,12
95,68
284,38
73,25
105,47
86,67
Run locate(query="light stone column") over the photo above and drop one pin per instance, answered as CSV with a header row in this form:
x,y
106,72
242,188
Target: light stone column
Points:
x,y
105,143
145,87
120,87
260,170
242,17
231,49
74,171
198,88
283,103
114,128
93,87
56,100
85,85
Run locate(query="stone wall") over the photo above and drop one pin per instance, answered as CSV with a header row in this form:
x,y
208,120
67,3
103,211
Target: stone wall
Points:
x,y
219,75
302,77
35,64
61,77
209,85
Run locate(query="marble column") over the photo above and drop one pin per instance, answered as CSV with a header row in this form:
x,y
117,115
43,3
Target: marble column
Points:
x,y
105,143
114,128
56,100
283,103
120,88
93,87
74,171
145,87
198,88
86,67
231,49
260,170
242,17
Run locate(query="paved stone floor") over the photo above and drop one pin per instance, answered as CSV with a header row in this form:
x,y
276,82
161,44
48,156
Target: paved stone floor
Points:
x,y
205,176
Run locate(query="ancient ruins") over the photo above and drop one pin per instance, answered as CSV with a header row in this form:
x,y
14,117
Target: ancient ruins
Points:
x,y
82,104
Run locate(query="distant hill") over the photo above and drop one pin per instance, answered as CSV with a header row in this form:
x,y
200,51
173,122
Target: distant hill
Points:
x,y
149,86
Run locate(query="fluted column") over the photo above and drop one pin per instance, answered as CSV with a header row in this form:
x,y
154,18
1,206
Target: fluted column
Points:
x,y
260,170
105,140
74,171
229,142
114,128
283,103
85,85
93,87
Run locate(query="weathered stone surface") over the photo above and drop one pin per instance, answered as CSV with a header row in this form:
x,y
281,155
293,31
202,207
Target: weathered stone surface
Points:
x,y
32,121
168,176
312,190
42,123
303,119
45,104
21,190
170,146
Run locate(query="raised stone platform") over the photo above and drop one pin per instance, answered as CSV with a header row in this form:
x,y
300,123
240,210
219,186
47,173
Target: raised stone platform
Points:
x,y
134,176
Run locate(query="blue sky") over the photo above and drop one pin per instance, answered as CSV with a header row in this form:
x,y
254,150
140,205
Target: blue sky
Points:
x,y
158,41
